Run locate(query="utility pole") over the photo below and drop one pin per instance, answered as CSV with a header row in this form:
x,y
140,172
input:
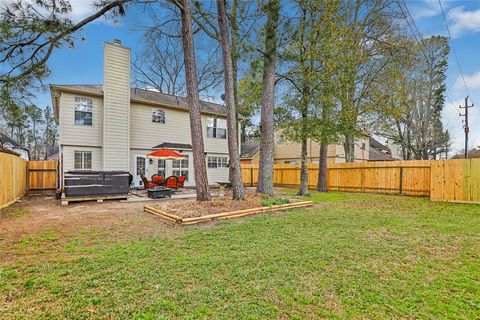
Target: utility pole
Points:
x,y
466,129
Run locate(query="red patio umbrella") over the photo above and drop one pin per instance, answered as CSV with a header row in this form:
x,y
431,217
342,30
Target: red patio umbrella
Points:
x,y
165,154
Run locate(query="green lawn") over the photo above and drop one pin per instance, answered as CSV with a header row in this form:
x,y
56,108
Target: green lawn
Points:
x,y
352,256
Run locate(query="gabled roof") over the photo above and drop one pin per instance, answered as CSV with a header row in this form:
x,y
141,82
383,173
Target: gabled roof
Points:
x,y
378,145
172,145
6,139
143,96
249,150
375,154
51,151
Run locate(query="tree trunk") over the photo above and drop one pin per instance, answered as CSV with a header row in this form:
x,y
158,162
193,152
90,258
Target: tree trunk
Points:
x,y
349,146
235,170
193,101
322,170
303,170
265,176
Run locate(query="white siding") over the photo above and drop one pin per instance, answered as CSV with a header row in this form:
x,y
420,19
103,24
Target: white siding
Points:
x,y
217,174
68,155
146,134
81,135
116,87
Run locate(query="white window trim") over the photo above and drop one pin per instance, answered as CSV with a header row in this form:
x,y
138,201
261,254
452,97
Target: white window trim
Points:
x,y
83,152
164,115
215,119
75,110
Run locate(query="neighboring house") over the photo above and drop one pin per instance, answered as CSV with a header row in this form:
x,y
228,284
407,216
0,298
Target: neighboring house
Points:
x,y
250,153
10,144
52,153
113,127
288,152
379,152
395,149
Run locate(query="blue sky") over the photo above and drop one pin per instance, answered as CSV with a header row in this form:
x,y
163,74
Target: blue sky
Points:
x,y
83,63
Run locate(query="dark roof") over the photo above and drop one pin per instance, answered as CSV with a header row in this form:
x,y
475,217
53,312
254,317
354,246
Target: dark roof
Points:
x,y
51,151
249,149
377,155
6,139
377,145
148,96
4,150
172,145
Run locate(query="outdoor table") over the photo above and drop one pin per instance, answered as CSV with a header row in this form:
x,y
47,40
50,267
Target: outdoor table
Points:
x,y
159,192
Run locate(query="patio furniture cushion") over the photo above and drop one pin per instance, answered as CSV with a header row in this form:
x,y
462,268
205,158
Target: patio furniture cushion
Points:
x,y
158,179
181,181
171,182
148,184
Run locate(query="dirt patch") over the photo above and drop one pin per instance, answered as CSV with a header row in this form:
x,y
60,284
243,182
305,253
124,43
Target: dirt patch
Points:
x,y
193,208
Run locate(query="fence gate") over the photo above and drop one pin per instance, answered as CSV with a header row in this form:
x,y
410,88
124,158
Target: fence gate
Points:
x,y
42,175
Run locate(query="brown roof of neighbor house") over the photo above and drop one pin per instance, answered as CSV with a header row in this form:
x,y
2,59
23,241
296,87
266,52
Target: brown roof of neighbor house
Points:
x,y
172,145
377,145
145,96
378,151
249,150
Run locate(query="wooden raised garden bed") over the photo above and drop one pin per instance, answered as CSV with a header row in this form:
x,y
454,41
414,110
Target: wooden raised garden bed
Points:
x,y
222,215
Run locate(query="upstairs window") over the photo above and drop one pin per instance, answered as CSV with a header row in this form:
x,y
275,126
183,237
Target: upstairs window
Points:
x,y
158,115
83,160
217,162
83,111
216,128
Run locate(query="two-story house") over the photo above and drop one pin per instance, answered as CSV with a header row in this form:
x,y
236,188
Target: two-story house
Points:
x,y
111,126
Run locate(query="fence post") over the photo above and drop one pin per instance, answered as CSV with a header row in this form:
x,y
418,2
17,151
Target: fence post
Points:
x,y
27,184
362,179
251,176
400,187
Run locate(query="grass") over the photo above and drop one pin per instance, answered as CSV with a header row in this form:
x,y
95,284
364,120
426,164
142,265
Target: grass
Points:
x,y
18,213
269,201
351,256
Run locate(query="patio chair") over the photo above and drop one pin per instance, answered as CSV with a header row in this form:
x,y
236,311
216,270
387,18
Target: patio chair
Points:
x,y
171,182
156,178
148,184
181,181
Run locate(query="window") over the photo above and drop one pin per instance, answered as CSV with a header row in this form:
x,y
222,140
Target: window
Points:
x,y
83,160
141,166
158,115
290,162
216,128
180,167
83,111
217,162
280,139
161,167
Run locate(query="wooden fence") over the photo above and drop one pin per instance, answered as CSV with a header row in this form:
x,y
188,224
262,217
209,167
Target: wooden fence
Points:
x,y
17,176
456,180
42,175
13,178
442,180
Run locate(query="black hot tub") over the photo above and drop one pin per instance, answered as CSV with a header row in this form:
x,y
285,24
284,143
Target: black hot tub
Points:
x,y
81,183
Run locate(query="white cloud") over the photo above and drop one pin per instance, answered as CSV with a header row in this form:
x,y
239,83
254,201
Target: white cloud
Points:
x,y
473,81
428,8
80,8
462,21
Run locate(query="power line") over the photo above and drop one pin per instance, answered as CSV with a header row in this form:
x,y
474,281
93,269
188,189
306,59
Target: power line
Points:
x,y
453,48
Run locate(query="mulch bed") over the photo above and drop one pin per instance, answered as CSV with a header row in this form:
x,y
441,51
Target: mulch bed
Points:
x,y
193,208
